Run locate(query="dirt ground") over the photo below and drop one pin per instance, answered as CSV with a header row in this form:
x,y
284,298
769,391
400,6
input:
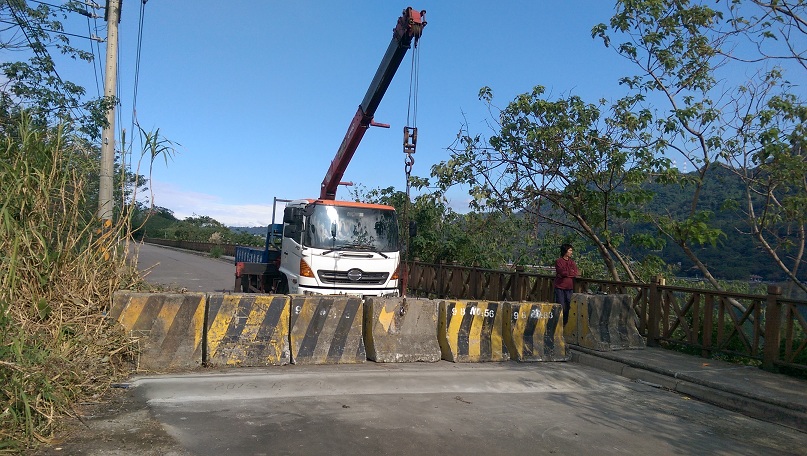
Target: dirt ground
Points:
x,y
115,425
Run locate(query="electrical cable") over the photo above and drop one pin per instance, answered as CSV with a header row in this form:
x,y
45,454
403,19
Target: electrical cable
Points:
x,y
39,50
95,58
61,7
98,50
137,71
49,30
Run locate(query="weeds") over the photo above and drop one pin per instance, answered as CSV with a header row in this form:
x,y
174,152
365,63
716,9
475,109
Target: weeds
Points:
x,y
58,269
216,251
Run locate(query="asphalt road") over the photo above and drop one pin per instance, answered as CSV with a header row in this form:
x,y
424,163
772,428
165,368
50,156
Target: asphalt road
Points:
x,y
177,269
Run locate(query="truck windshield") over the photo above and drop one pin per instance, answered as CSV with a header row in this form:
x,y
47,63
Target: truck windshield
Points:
x,y
336,227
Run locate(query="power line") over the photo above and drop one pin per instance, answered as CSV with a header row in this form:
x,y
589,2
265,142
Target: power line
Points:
x,y
98,50
64,8
61,7
137,65
92,38
94,58
39,50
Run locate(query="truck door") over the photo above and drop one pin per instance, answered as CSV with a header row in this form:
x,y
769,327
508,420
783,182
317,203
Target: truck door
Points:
x,y
292,246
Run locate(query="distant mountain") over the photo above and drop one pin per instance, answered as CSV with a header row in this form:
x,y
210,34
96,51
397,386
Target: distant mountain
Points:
x,y
736,257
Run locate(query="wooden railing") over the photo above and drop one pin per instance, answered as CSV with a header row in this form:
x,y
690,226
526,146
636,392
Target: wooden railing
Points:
x,y
705,322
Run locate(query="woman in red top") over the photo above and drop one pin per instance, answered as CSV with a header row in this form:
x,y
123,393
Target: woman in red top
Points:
x,y
565,272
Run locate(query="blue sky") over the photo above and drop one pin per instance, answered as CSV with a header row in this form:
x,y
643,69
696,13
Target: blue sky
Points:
x,y
257,95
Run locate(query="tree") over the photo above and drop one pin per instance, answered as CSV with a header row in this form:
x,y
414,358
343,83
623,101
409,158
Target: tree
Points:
x,y
33,88
689,56
770,153
563,163
487,239
34,84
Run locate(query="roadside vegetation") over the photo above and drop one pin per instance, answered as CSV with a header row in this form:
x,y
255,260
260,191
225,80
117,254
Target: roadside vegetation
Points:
x,y
59,265
58,269
160,222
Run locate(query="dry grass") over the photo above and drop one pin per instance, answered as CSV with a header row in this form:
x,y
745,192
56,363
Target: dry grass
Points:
x,y
58,270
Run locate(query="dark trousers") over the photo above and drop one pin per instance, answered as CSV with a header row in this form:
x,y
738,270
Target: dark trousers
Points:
x,y
564,298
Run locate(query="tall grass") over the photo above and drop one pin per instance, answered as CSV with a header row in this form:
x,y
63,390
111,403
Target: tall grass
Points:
x,y
58,270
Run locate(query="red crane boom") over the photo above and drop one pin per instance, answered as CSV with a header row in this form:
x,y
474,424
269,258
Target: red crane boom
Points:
x,y
410,26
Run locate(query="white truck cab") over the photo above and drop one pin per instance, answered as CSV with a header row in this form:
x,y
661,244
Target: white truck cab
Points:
x,y
339,247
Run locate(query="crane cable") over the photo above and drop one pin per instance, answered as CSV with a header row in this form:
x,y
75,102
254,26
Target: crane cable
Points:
x,y
409,146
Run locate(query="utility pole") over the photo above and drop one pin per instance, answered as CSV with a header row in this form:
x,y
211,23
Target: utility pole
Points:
x,y
105,206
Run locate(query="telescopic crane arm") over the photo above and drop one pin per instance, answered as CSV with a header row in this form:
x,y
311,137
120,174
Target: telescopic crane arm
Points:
x,y
409,27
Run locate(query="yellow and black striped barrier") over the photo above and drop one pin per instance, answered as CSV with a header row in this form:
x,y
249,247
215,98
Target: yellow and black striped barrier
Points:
x,y
401,330
247,330
533,331
578,313
326,330
603,322
471,331
168,327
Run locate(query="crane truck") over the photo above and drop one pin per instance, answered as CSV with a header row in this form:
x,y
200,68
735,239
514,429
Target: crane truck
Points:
x,y
330,247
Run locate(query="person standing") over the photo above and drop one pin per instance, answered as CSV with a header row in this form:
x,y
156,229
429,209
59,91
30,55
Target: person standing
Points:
x,y
565,272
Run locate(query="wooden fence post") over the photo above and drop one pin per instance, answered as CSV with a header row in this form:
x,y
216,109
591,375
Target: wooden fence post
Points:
x,y
518,292
440,294
773,328
474,281
654,312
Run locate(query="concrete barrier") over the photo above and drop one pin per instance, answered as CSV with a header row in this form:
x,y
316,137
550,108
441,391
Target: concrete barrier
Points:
x,y
603,322
533,331
169,327
247,330
471,331
326,330
401,330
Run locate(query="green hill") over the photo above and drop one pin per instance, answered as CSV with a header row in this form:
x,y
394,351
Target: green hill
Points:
x,y
736,257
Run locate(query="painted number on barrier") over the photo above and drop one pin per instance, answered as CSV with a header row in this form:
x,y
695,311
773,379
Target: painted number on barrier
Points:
x,y
475,311
534,314
322,313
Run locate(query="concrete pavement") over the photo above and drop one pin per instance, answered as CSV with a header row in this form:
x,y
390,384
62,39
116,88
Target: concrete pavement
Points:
x,y
767,396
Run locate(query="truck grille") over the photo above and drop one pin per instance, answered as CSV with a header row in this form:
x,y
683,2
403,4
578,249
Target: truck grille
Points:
x,y
344,277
